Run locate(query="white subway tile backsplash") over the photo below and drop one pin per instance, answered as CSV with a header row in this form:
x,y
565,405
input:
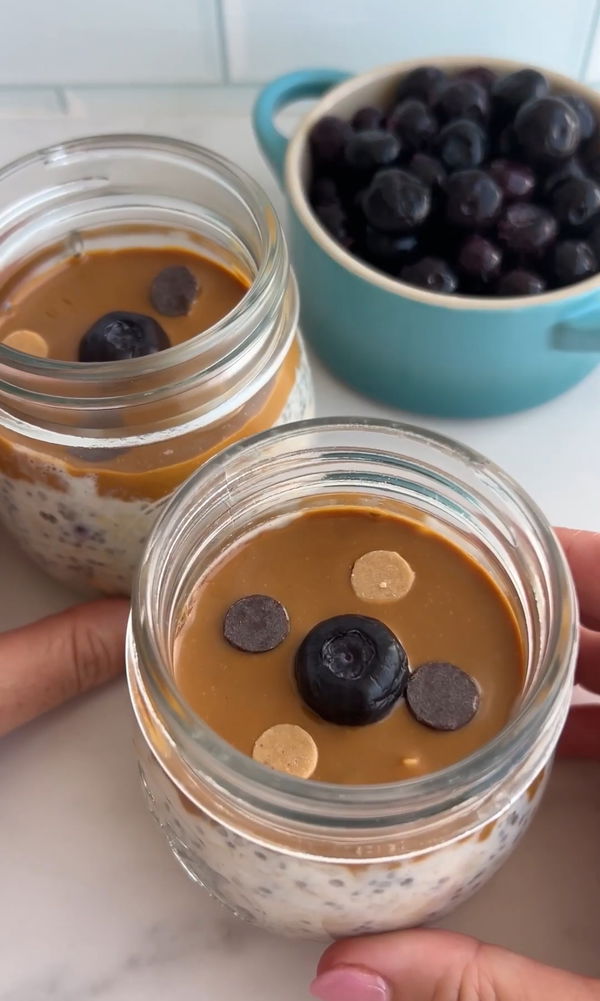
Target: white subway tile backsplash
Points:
x,y
267,37
31,102
109,41
180,101
592,69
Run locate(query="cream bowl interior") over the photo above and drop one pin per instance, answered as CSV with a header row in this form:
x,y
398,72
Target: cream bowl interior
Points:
x,y
378,87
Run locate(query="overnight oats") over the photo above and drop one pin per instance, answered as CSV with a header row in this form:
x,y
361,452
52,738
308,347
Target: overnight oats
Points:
x,y
148,320
350,657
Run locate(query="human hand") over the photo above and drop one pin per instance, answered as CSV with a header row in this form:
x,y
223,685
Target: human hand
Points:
x,y
427,965
44,664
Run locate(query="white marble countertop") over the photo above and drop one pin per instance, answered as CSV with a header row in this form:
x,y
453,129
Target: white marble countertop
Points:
x,y
93,905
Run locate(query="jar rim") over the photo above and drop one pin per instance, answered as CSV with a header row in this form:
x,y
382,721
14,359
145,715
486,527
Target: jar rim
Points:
x,y
274,255
377,805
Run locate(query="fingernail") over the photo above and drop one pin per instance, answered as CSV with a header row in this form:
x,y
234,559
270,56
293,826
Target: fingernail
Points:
x,y
350,983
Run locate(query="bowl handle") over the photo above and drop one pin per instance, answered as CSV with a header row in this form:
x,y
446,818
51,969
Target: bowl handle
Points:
x,y
281,91
581,332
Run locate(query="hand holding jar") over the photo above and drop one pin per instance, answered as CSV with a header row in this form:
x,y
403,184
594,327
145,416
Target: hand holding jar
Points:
x,y
48,662
422,965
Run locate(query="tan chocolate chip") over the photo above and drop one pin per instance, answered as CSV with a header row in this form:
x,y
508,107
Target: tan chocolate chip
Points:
x,y
27,341
287,748
381,575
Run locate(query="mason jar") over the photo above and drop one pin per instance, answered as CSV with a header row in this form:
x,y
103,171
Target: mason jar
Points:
x,y
315,859
88,453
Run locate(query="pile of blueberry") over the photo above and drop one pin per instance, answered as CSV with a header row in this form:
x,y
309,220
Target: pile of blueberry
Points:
x,y
470,183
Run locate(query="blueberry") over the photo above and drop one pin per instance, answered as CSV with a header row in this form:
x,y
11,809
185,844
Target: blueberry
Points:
x,y
461,144
576,204
520,282
592,167
333,217
395,201
119,335
428,169
327,139
366,119
504,143
572,261
515,180
568,169
473,199
515,89
593,239
548,130
389,248
431,273
479,261
463,99
424,83
527,229
485,77
588,122
351,670
413,123
323,191
369,150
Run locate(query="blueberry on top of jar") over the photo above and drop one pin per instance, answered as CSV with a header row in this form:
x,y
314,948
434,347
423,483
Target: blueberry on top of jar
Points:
x,y
351,670
120,335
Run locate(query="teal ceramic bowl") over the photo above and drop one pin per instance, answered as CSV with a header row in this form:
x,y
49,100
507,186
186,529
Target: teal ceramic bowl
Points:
x,y
433,354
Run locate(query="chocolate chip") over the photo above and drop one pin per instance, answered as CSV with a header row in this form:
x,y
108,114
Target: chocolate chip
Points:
x,y
442,696
256,623
174,291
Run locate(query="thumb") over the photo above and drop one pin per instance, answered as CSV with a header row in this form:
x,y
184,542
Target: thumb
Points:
x,y
439,966
57,658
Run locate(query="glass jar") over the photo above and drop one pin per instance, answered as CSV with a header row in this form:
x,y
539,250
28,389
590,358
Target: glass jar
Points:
x,y
88,453
315,859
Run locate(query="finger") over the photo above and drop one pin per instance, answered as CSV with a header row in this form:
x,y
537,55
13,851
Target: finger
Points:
x,y
588,661
439,966
57,658
582,550
581,735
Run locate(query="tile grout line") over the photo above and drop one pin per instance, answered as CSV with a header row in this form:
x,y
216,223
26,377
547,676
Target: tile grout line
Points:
x,y
63,101
588,48
222,41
